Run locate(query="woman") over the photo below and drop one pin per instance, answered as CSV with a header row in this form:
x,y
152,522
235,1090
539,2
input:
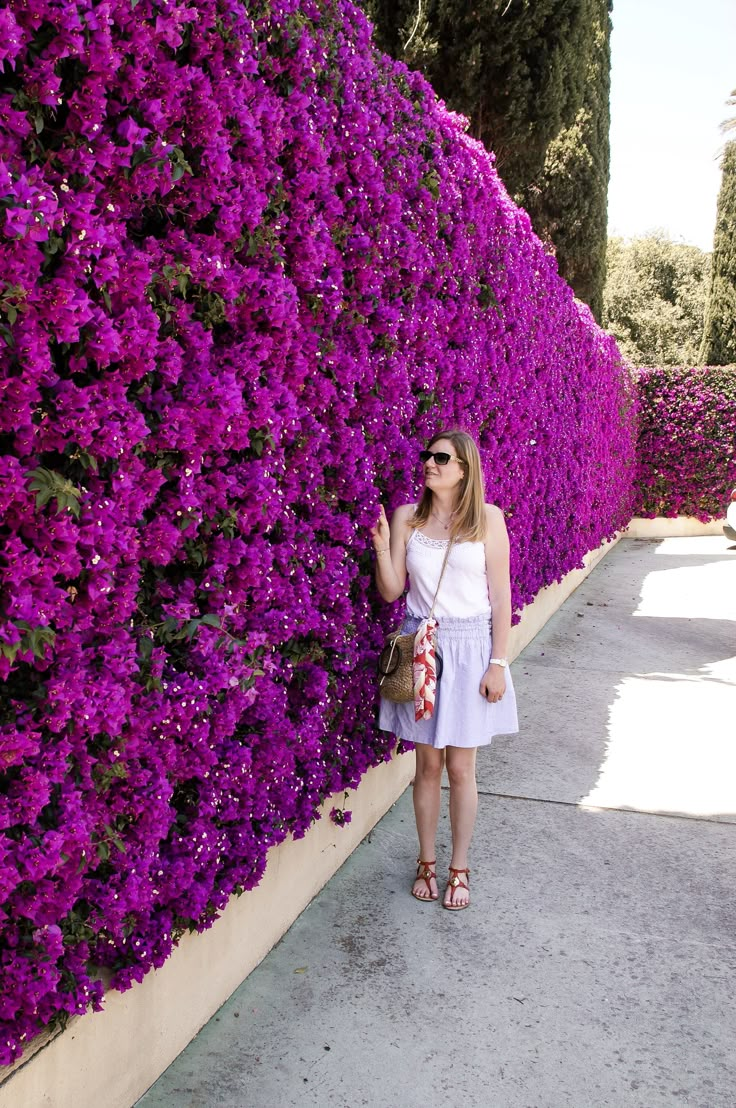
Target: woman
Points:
x,y
475,696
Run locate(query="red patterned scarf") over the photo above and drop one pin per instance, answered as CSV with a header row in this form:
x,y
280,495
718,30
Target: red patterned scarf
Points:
x,y
425,669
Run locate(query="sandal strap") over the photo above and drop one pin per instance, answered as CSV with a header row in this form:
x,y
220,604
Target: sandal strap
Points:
x,y
425,872
454,882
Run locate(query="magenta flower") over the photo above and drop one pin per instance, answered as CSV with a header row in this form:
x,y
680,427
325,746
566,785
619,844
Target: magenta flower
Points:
x,y
247,265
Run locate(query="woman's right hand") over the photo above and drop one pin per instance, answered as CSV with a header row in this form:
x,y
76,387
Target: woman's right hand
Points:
x,y
390,564
380,532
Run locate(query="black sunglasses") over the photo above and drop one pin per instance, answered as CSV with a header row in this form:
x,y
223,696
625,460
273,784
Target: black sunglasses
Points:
x,y
439,456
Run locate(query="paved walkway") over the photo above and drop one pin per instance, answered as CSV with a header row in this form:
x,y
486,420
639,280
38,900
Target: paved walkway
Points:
x,y
597,964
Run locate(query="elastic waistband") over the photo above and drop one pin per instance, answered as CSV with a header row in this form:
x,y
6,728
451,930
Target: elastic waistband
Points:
x,y
453,626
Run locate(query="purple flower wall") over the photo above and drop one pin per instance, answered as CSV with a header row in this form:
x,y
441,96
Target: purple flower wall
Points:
x,y
686,453
246,266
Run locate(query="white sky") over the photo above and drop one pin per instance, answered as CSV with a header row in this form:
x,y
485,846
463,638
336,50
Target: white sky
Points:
x,y
673,66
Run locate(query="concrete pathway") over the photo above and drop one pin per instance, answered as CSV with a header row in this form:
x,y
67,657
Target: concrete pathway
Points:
x,y
597,964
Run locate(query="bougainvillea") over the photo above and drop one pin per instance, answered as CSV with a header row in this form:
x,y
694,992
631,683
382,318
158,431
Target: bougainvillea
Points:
x,y
686,454
246,265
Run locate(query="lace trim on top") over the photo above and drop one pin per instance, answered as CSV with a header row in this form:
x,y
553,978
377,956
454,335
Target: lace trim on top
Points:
x,y
426,541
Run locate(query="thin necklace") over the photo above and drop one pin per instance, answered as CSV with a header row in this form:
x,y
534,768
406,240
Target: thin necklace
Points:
x,y
445,525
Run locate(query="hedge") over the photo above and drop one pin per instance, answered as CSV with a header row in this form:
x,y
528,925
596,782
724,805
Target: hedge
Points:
x,y
247,265
686,451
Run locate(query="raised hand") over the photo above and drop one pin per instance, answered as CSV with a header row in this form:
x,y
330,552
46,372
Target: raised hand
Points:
x,y
380,532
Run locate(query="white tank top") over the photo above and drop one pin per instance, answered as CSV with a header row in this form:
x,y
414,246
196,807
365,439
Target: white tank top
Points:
x,y
464,589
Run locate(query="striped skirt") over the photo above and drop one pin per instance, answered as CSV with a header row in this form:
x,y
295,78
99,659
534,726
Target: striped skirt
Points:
x,y
462,717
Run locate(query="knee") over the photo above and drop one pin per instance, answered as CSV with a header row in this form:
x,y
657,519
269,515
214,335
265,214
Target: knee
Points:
x,y
429,770
460,774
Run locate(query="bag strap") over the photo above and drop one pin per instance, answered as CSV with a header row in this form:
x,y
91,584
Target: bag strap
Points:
x,y
442,574
436,591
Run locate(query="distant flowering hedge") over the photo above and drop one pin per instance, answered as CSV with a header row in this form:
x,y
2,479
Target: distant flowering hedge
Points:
x,y
246,266
686,458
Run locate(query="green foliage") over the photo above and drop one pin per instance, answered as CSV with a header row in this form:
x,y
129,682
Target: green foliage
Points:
x,y
719,334
50,485
654,299
32,639
172,630
533,78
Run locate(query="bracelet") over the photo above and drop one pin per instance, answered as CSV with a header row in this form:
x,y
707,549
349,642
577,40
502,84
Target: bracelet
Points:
x,y
380,549
498,662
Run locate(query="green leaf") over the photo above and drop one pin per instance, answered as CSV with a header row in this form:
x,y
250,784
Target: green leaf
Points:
x,y
191,628
140,155
260,437
9,650
39,639
87,460
487,297
50,485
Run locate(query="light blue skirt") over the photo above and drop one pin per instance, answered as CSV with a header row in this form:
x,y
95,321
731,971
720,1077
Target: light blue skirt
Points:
x,y
462,717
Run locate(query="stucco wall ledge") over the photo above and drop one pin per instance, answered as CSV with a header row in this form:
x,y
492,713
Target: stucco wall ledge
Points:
x,y
664,527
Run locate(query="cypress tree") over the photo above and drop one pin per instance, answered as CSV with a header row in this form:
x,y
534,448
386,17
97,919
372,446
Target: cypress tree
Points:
x,y
533,78
570,209
719,334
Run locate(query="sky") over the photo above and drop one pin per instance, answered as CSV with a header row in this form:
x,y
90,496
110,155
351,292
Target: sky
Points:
x,y
673,66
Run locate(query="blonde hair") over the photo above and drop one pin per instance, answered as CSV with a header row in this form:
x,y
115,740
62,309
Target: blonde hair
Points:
x,y
469,521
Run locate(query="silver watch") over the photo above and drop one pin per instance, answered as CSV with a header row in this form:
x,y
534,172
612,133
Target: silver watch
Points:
x,y
498,662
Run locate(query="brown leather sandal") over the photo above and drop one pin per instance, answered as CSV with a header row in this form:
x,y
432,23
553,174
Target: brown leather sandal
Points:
x,y
425,873
456,883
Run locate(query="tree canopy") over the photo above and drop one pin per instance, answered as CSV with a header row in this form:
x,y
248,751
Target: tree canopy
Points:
x,y
533,79
654,299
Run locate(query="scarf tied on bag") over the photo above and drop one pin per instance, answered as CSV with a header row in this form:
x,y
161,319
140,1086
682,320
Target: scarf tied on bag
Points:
x,y
425,669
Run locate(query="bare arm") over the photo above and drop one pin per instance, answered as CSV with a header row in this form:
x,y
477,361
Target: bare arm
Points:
x,y
493,684
499,579
389,542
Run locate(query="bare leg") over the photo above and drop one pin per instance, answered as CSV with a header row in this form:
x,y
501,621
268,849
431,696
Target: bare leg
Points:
x,y
463,809
427,792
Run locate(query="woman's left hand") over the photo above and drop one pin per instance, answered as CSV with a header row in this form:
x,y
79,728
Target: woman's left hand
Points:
x,y
493,685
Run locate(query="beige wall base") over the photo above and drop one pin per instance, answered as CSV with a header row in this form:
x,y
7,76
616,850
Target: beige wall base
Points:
x,y
676,527
110,1058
